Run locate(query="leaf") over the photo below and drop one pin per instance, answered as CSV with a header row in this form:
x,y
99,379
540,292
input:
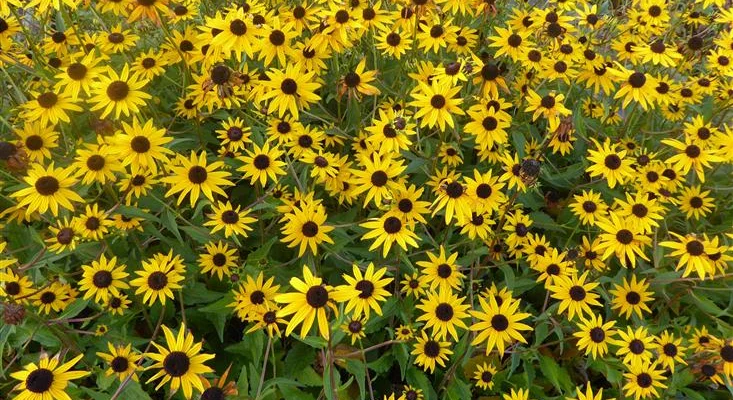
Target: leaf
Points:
x,y
458,390
74,309
243,381
169,222
402,355
357,369
298,359
133,391
262,252
556,375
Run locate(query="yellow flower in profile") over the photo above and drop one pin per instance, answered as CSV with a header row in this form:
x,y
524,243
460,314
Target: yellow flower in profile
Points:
x,y
47,380
194,176
180,362
49,188
119,93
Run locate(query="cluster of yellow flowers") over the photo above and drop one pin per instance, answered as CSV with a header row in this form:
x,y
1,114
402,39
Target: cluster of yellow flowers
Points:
x,y
487,174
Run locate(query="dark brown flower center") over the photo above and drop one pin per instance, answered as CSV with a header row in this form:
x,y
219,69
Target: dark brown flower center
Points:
x,y
118,90
365,287
197,174
157,280
289,86
379,178
310,229
317,296
257,297
548,101
47,100
499,322
454,190
238,27
47,185
612,161
176,364
577,293
392,225
119,364
444,312
34,142
636,346
431,348
39,381
219,259
695,248
597,335
437,101
102,279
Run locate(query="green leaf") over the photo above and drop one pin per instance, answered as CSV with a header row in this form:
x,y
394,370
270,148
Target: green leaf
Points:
x,y
243,381
169,222
357,369
74,309
262,252
459,390
402,355
417,378
557,376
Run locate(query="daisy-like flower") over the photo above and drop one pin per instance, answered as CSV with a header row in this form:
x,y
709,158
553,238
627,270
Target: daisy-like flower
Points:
x,y
119,93
305,227
692,156
636,86
610,164
157,279
231,219
441,271
310,301
194,175
218,259
429,352
371,286
631,297
123,361
550,106
588,206
670,350
49,188
484,376
141,146
48,379
443,312
436,104
575,294
103,278
261,163
594,336
498,325
254,296
622,239
692,253
635,345
290,90
50,107
387,230
180,362
643,381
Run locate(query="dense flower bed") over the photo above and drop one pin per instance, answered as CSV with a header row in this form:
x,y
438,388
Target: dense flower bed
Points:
x,y
407,199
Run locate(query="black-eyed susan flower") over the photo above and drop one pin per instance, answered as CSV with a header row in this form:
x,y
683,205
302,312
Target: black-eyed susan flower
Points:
x,y
692,156
157,279
411,286
290,90
453,197
670,350
360,81
119,93
643,381
551,266
96,163
631,297
261,163
305,228
387,230
510,43
93,224
635,345
102,279
436,104
609,163
622,239
692,253
123,361
50,188
218,259
141,146
354,328
194,175
180,362
550,106
117,305
404,332
484,376
38,140
443,312
371,287
232,220
309,302
498,325
219,388
15,288
48,379
379,175
440,271
521,394
50,107
594,336
575,294
640,211
254,296
429,352
394,43
588,207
